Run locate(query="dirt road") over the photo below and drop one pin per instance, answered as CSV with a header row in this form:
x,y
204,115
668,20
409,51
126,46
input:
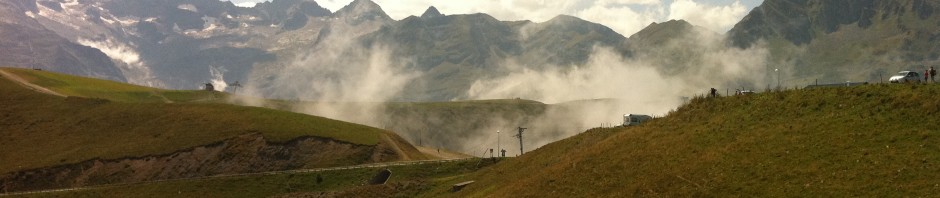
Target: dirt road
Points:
x,y
436,153
27,84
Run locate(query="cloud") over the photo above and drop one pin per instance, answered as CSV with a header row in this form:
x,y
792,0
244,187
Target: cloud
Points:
x,y
622,19
127,59
218,80
605,75
346,80
718,18
609,85
628,2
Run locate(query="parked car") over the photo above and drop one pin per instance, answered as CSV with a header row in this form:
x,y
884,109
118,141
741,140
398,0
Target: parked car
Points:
x,y
905,77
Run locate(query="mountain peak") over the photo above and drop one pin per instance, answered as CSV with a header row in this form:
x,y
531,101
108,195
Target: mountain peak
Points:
x,y
564,18
431,12
671,24
658,33
362,10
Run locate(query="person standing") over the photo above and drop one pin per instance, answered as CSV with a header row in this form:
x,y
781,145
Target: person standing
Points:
x,y
926,75
933,74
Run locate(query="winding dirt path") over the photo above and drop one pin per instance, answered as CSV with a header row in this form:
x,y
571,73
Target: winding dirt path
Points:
x,y
27,84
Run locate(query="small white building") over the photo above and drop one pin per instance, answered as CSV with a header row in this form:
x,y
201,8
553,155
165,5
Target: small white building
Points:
x,y
635,119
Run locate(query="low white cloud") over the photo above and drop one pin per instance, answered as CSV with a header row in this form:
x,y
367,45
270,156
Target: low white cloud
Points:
x,y
127,59
627,2
218,78
622,19
609,85
114,50
605,75
718,18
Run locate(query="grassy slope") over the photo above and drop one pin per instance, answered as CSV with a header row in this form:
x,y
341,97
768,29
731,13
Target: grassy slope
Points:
x,y
38,130
96,88
877,140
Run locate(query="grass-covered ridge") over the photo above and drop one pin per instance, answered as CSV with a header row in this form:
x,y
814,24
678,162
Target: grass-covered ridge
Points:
x,y
876,140
40,130
96,88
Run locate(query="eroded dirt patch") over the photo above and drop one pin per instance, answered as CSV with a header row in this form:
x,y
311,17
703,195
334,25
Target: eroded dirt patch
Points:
x,y
242,154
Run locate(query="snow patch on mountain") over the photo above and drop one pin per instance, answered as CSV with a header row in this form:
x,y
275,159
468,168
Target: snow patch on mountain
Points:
x,y
70,3
189,7
246,4
65,17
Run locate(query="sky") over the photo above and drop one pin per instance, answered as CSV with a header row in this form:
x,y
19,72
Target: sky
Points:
x,y
624,16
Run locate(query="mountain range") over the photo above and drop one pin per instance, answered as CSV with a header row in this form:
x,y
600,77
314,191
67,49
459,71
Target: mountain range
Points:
x,y
182,44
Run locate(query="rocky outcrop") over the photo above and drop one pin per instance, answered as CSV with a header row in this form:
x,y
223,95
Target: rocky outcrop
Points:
x,y
243,154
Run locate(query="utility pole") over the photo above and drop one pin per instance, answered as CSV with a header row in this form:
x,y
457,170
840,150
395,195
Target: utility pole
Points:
x,y
497,141
520,139
32,59
778,78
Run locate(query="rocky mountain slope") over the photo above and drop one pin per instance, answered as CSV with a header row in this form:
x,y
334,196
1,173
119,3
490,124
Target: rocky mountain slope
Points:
x,y
838,41
456,50
27,43
182,44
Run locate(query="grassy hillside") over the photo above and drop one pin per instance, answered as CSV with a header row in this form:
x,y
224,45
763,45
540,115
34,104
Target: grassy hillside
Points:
x,y
96,88
39,130
877,140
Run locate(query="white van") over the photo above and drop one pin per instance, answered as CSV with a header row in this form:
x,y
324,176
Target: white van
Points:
x,y
635,119
905,77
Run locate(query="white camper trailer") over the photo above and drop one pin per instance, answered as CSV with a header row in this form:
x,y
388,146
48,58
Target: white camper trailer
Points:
x,y
634,119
